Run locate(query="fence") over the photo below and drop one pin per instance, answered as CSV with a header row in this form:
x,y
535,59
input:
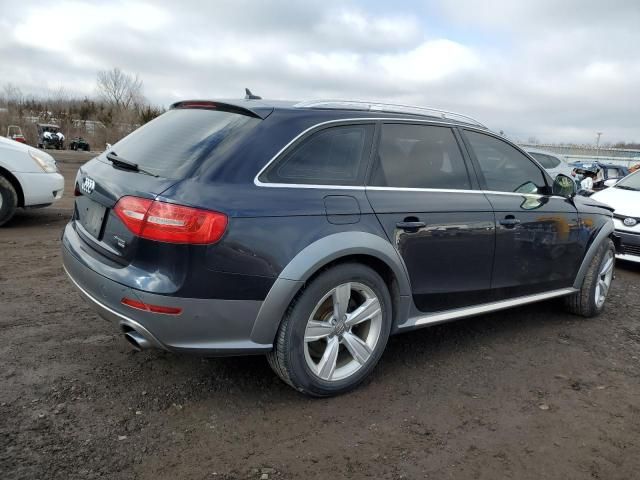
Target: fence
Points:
x,y
583,153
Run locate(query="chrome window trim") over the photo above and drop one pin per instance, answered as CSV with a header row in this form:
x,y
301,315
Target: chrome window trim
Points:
x,y
258,183
413,189
449,315
339,121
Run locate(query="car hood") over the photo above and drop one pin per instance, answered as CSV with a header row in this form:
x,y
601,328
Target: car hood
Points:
x,y
624,202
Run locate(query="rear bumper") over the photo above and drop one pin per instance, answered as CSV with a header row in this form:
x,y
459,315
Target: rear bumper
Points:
x,y
207,327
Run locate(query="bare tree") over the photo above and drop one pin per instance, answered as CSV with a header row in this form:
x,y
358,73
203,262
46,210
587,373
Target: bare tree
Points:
x,y
12,94
119,89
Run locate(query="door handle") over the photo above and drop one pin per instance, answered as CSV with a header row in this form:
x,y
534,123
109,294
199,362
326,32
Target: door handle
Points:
x,y
409,226
509,221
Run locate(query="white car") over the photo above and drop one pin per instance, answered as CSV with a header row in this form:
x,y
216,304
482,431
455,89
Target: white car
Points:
x,y
28,178
624,198
551,162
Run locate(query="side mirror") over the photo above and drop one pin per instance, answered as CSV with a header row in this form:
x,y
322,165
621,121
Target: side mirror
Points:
x,y
611,182
564,186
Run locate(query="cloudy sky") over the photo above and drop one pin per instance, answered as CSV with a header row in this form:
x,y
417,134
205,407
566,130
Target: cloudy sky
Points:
x,y
551,69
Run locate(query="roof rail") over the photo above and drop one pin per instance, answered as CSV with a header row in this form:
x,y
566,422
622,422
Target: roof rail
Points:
x,y
389,108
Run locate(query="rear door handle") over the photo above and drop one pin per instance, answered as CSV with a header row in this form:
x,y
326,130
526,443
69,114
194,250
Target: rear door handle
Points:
x,y
509,221
411,225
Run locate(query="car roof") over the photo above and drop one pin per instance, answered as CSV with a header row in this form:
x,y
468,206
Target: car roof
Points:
x,y
262,108
596,162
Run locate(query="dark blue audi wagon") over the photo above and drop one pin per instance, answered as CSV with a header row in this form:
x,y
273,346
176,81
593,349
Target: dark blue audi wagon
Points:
x,y
311,232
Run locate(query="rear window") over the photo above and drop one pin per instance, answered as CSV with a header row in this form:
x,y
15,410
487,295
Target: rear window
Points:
x,y
179,140
333,156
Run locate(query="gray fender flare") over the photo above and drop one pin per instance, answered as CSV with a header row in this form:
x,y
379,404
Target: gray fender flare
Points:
x,y
604,233
314,257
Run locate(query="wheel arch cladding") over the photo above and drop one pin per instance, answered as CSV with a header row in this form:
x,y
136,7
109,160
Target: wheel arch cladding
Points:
x,y
603,234
345,246
16,184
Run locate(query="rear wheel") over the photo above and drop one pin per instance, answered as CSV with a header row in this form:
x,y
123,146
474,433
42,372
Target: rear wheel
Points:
x,y
8,201
590,299
334,332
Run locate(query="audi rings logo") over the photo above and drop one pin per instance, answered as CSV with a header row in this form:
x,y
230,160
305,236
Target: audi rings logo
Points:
x,y
88,185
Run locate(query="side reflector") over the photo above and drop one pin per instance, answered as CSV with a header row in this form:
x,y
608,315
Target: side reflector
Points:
x,y
151,308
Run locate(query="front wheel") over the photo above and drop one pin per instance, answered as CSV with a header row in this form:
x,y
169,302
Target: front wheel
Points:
x,y
334,332
8,201
590,299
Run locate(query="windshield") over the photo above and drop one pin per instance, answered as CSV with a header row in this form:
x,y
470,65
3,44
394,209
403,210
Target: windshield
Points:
x,y
630,182
179,140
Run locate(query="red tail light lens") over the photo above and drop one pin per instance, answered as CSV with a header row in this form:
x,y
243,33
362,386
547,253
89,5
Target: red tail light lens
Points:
x,y
151,308
166,222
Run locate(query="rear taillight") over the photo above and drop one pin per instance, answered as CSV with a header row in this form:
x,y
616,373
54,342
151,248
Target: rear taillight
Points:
x,y
166,222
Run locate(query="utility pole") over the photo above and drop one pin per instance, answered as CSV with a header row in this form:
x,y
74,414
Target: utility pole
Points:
x,y
598,144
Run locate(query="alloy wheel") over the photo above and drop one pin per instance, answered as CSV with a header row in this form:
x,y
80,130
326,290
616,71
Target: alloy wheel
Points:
x,y
604,279
342,331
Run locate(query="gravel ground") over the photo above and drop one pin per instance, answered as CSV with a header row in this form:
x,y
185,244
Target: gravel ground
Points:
x,y
527,393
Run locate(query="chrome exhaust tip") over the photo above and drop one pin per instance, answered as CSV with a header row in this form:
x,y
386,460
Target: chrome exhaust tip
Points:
x,y
136,340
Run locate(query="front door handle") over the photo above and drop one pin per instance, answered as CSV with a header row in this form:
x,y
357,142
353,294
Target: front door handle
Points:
x,y
509,221
411,226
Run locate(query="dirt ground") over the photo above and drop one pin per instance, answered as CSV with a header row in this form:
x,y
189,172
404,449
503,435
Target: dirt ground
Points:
x,y
528,393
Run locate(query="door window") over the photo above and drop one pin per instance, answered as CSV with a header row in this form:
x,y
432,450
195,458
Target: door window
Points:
x,y
504,168
419,156
333,156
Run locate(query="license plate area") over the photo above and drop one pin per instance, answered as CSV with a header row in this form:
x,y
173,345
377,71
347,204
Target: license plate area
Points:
x,y
91,215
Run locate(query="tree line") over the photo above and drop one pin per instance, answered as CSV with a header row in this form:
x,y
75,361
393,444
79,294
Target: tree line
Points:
x,y
117,108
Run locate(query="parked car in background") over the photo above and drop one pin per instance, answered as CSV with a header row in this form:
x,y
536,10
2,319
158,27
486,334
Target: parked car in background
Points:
x,y
550,161
14,132
604,172
79,143
50,136
28,178
624,197
310,232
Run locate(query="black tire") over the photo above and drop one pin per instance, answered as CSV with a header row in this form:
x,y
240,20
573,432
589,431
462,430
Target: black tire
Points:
x,y
9,201
584,302
87,148
288,358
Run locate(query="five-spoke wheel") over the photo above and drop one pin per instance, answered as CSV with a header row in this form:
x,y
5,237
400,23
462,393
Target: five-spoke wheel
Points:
x,y
342,331
334,332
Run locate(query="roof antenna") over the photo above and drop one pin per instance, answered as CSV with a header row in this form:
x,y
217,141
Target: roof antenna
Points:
x,y
250,96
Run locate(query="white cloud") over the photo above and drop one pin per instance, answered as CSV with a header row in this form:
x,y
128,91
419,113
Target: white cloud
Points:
x,y
554,70
430,61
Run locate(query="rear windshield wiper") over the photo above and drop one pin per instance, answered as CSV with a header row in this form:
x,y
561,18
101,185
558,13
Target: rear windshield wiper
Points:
x,y
125,164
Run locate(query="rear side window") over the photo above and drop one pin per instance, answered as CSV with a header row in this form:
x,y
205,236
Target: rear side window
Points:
x,y
179,140
613,173
333,156
419,156
547,161
505,169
